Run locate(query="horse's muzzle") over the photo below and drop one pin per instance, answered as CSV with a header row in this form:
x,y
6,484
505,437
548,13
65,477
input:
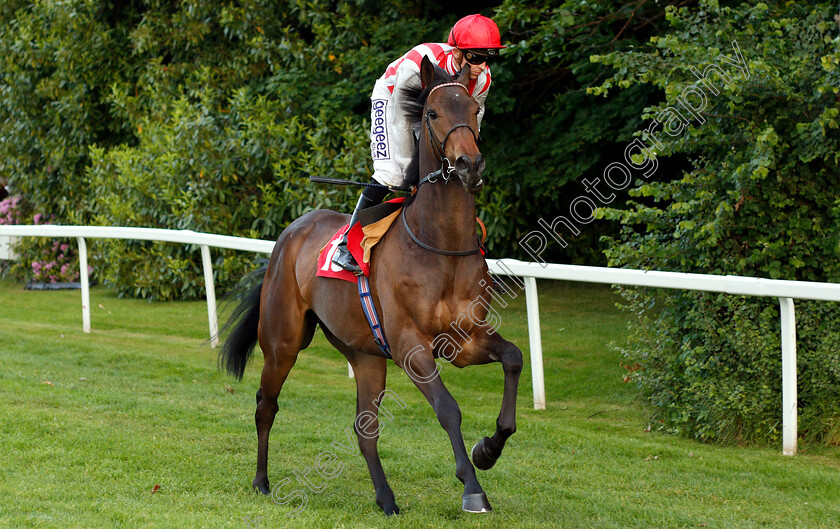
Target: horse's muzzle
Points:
x,y
469,170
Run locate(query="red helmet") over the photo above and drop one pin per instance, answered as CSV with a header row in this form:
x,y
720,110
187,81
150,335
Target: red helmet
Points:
x,y
475,32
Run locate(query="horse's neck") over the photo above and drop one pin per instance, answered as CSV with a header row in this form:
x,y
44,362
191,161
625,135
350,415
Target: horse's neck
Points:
x,y
444,215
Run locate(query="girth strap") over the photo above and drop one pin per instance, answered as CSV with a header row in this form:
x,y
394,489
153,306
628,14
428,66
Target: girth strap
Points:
x,y
372,317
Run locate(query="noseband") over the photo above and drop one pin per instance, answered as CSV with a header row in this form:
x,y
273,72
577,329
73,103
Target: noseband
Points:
x,y
446,168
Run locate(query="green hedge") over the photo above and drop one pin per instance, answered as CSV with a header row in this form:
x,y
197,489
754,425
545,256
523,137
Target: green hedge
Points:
x,y
760,200
210,115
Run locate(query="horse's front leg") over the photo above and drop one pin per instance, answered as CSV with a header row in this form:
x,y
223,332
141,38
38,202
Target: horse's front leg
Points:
x,y
420,366
494,348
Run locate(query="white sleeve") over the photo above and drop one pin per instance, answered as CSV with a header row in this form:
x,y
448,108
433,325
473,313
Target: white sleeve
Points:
x,y
481,98
482,88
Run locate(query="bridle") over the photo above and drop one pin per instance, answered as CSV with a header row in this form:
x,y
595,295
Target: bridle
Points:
x,y
445,171
439,147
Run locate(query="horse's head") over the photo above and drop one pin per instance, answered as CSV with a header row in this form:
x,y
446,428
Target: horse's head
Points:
x,y
450,120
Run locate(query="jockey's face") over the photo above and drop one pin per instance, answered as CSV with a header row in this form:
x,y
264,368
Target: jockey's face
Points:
x,y
461,61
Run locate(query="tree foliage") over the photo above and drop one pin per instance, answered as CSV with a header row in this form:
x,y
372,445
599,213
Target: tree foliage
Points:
x,y
210,115
57,60
193,115
756,201
554,135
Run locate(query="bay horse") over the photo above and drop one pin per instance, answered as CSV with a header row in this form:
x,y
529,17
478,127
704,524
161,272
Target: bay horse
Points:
x,y
425,275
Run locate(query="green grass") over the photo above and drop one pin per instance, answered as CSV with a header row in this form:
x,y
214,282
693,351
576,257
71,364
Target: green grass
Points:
x,y
139,403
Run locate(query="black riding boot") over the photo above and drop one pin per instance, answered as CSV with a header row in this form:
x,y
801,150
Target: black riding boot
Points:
x,y
371,196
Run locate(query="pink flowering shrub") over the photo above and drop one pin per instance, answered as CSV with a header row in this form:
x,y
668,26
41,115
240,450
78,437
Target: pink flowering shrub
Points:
x,y
40,260
8,208
59,265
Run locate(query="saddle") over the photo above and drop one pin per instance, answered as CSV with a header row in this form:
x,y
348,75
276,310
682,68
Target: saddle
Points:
x,y
372,226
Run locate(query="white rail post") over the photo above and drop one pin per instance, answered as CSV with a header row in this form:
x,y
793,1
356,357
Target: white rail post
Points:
x,y
210,289
83,277
537,376
789,415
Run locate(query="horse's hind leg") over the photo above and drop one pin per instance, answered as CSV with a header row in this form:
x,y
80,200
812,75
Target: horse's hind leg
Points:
x,y
369,372
271,382
283,334
370,390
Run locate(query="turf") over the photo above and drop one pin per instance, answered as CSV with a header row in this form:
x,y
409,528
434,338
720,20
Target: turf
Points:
x,y
134,426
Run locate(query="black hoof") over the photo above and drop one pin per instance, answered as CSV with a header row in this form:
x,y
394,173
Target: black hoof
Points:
x,y
481,458
387,504
261,485
476,503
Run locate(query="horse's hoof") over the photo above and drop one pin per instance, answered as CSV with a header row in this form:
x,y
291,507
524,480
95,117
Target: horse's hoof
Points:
x,y
388,505
261,485
481,459
476,503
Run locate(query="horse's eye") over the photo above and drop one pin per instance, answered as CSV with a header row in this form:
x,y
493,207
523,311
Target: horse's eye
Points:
x,y
431,113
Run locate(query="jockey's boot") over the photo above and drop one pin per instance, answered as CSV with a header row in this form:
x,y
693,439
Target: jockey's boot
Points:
x,y
371,196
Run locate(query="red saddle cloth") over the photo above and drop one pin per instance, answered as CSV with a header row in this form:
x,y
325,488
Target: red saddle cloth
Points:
x,y
372,225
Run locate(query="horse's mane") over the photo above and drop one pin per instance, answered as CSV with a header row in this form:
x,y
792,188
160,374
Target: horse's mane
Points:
x,y
413,102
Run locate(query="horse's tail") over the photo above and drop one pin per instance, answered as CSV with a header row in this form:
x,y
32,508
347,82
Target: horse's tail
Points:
x,y
241,327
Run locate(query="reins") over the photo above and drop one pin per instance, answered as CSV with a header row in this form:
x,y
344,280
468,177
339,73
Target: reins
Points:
x,y
425,246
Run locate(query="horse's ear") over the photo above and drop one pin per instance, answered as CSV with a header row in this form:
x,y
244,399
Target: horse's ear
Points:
x,y
464,75
427,72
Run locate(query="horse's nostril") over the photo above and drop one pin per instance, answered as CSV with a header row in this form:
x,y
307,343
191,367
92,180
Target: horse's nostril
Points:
x,y
462,164
480,163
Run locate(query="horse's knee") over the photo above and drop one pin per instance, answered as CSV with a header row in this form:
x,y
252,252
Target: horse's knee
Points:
x,y
511,358
448,413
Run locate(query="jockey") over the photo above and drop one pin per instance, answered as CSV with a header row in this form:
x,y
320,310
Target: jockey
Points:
x,y
474,41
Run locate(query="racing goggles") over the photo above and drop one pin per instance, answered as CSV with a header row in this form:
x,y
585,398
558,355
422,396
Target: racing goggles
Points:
x,y
477,57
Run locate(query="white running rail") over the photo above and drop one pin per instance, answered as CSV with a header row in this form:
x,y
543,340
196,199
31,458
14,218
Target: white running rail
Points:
x,y
785,291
